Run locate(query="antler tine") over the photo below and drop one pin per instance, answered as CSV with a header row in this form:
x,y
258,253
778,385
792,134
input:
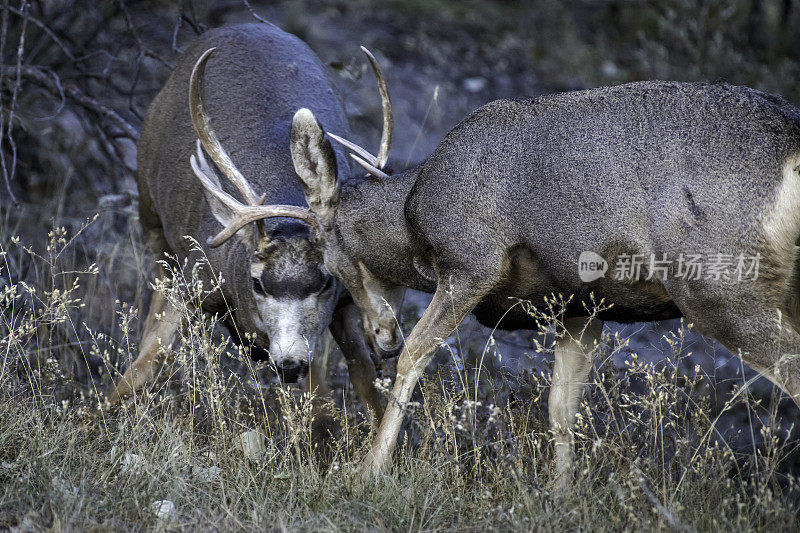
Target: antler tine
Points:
x,y
373,164
201,170
386,105
245,214
251,213
207,136
356,148
205,168
378,173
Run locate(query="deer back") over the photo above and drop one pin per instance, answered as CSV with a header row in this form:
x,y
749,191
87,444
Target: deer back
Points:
x,y
644,168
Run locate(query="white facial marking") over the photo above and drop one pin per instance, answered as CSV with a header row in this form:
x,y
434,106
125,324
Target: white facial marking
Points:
x,y
256,269
293,325
285,337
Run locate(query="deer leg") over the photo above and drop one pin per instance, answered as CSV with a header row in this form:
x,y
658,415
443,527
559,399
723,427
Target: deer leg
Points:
x,y
767,346
316,384
316,381
448,308
573,362
347,330
749,318
161,328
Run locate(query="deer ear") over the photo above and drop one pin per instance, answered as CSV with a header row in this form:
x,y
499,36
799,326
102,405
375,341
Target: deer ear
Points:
x,y
315,163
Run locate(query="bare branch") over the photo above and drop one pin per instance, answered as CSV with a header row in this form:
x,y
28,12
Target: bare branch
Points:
x,y
8,174
40,77
253,12
61,95
47,29
177,28
197,27
17,84
142,52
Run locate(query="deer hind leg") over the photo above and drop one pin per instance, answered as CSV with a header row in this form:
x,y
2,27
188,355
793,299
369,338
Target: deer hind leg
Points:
x,y
767,344
573,363
750,319
450,304
161,329
348,332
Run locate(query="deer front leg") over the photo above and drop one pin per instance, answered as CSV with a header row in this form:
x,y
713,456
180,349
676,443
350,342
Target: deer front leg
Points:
x,y
161,328
573,363
315,383
448,308
348,333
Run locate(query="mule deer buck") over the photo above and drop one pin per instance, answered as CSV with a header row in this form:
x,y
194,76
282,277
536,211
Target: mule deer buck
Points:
x,y
247,80
513,195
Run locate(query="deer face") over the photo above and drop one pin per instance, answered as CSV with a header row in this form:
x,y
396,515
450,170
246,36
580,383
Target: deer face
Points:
x,y
294,298
289,297
379,302
315,163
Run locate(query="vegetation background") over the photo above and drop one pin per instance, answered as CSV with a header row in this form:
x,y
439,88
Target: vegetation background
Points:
x,y
674,432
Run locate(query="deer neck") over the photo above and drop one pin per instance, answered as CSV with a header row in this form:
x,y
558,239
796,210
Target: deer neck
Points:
x,y
373,230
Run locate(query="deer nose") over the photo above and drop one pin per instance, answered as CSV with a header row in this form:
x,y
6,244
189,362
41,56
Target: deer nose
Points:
x,y
290,371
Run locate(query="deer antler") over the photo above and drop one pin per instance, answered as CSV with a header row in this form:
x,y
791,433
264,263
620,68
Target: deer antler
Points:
x,y
242,214
373,164
207,136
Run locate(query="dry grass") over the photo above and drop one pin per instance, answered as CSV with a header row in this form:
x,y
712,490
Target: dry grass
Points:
x,y
657,448
477,455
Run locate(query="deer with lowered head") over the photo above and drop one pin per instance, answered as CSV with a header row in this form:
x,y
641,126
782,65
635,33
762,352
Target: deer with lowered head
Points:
x,y
247,80
507,203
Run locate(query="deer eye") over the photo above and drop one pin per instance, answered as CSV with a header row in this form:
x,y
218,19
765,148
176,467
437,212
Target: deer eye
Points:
x,y
258,287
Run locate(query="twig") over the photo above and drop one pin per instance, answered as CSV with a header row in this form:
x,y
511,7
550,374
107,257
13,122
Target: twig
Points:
x,y
140,53
165,63
197,27
49,31
63,98
253,12
15,93
112,149
8,174
671,519
177,28
40,77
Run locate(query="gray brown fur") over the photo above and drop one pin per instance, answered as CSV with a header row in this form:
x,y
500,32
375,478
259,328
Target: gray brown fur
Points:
x,y
514,193
256,78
